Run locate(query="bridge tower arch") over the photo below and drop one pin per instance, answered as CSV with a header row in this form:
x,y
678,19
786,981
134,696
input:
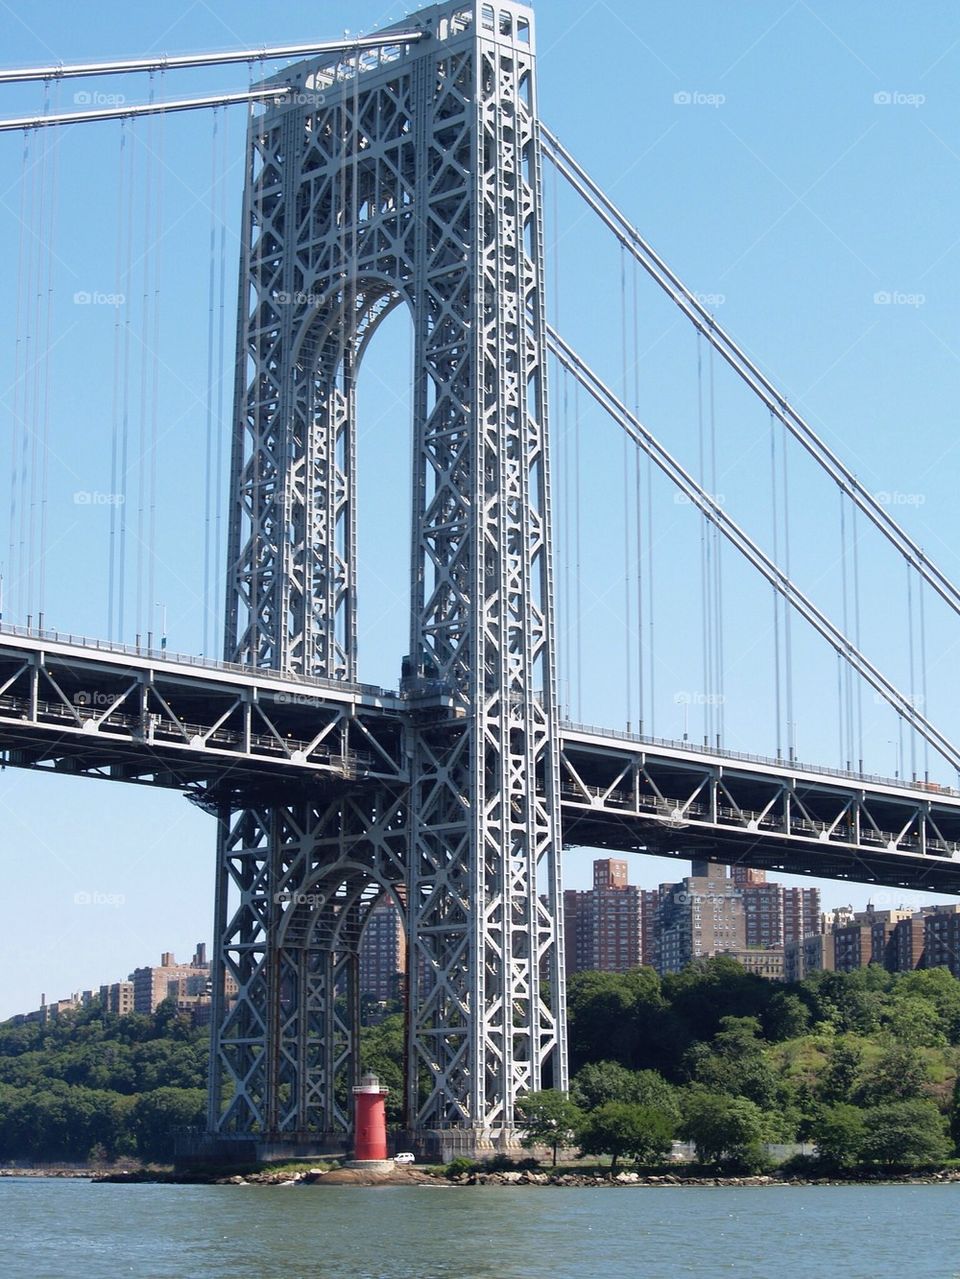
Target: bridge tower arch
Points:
x,y
408,175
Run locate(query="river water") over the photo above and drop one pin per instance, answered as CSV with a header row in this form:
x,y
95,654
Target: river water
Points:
x,y
77,1230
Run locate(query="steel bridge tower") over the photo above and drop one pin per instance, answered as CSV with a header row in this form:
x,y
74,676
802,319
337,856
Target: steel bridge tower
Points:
x,y
407,176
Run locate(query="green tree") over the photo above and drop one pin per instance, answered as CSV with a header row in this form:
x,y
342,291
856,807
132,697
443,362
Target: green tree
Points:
x,y
785,1017
710,989
905,1132
954,1114
622,1128
901,1074
722,1128
381,1052
158,1115
838,1081
940,990
839,1132
915,1022
853,1002
549,1118
735,1063
602,1081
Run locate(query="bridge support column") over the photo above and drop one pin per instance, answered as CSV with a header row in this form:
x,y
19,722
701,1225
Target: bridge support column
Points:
x,y
412,178
295,885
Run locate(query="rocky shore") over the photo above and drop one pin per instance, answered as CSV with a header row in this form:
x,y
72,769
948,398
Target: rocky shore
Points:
x,y
406,1176
671,1179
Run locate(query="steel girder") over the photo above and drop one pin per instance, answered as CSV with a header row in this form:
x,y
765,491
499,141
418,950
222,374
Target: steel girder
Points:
x,y
294,887
231,735
216,733
667,799
406,178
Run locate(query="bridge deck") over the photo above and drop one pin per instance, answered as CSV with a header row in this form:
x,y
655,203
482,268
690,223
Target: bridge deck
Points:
x,y
225,733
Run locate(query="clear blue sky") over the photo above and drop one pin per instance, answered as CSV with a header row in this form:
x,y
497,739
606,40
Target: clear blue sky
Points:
x,y
793,161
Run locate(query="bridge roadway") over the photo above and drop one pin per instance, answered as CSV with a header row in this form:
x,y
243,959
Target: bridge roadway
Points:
x,y
225,734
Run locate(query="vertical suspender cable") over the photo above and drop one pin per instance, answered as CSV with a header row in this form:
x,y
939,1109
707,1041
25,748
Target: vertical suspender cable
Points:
x,y
155,389
208,442
847,703
578,610
650,598
566,610
787,611
18,434
778,722
143,626
923,674
637,502
218,540
29,355
717,561
36,326
705,575
855,538
48,347
113,550
627,602
912,680
121,496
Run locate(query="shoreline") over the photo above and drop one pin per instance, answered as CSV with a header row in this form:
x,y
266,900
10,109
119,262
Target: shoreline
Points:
x,y
417,1177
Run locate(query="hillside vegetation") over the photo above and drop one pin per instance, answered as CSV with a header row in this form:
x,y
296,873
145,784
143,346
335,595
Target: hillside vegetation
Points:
x,y
864,1064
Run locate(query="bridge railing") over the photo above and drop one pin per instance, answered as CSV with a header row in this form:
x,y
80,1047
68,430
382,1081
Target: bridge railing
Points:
x,y
694,749
154,654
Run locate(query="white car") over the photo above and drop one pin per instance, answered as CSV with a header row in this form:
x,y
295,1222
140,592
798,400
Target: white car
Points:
x,y
405,1157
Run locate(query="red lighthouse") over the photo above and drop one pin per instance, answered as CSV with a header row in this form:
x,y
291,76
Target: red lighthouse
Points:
x,y
370,1119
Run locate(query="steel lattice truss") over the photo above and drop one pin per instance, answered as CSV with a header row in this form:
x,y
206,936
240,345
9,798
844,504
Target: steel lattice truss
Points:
x,y
676,800
375,184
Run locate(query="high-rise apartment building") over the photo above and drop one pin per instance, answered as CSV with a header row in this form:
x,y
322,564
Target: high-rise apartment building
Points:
x,y
169,980
941,939
383,953
905,950
700,916
773,914
117,998
801,913
763,914
808,954
604,925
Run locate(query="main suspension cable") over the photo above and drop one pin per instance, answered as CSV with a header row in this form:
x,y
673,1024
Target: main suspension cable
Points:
x,y
775,401
774,574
